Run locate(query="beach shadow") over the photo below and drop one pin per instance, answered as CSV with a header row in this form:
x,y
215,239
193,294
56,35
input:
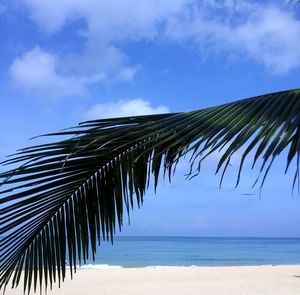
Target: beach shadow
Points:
x,y
295,276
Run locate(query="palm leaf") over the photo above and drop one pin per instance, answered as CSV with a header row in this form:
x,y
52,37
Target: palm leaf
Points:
x,y
66,196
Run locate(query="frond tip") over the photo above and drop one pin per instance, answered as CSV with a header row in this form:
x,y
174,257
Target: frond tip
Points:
x,y
68,195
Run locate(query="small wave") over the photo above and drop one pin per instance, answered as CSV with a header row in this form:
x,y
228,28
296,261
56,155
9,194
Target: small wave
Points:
x,y
98,266
169,266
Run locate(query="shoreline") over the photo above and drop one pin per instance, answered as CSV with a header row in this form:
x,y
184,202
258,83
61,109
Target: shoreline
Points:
x,y
206,280
114,266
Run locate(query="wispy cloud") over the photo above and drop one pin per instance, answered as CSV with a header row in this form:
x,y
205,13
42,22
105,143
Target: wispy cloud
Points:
x,y
263,32
2,9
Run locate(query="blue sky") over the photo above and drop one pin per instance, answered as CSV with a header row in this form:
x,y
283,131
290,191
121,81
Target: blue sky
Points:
x,y
66,61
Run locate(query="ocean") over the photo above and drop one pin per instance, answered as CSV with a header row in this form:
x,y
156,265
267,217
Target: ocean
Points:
x,y
196,251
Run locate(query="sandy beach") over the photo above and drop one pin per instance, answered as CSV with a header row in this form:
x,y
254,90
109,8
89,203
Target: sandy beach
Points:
x,y
236,280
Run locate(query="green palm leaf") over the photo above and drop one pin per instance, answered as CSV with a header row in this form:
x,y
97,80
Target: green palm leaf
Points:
x,y
68,195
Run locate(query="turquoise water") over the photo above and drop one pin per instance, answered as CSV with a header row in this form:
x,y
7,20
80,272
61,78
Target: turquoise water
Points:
x,y
190,251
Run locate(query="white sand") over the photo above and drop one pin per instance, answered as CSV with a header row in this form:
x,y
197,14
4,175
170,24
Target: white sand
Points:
x,y
258,280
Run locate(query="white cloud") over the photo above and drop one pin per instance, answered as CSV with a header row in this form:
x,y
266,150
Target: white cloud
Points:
x,y
264,32
269,36
108,24
124,108
37,72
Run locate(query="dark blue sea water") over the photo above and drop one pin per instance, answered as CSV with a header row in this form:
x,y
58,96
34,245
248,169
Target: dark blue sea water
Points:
x,y
194,251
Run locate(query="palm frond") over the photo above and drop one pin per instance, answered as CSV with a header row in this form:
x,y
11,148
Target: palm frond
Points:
x,y
68,195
